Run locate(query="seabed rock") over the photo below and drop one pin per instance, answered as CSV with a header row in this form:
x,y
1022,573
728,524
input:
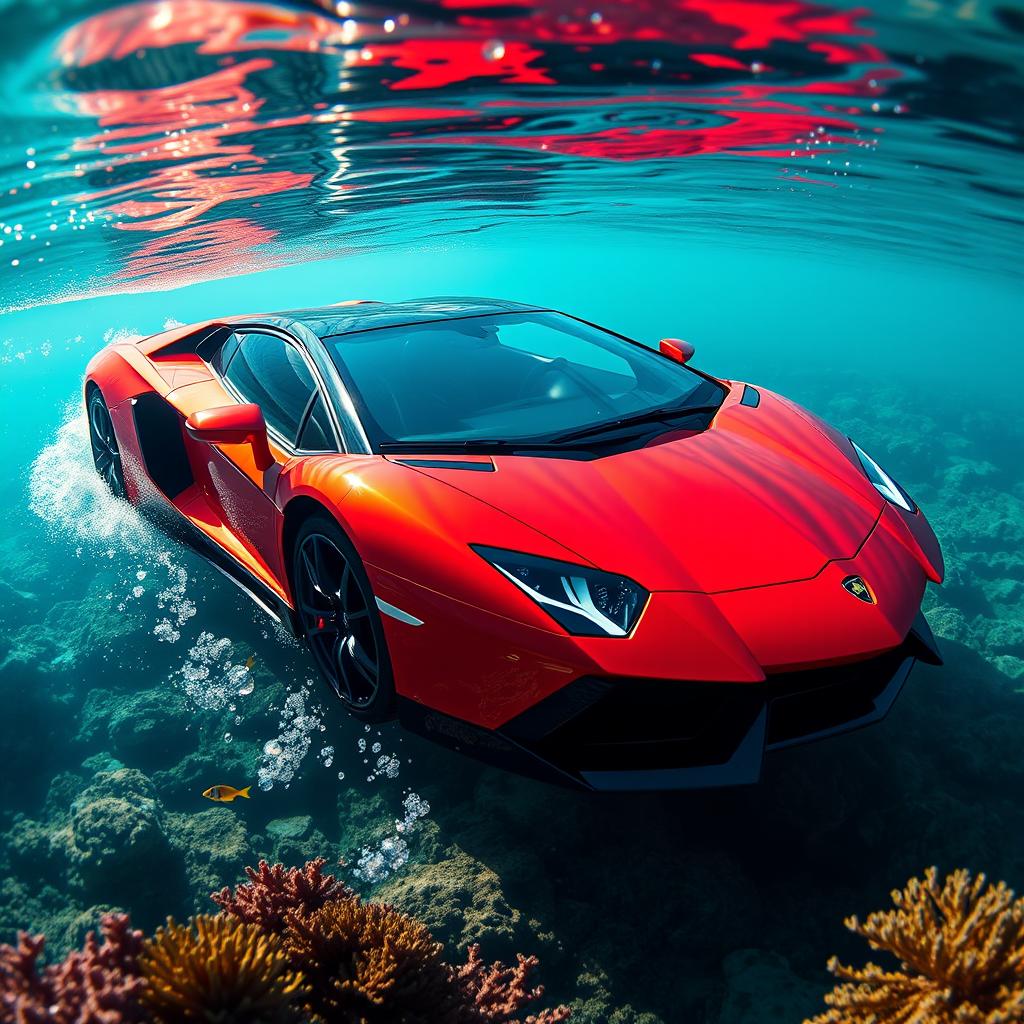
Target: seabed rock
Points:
x,y
762,989
461,900
118,844
213,845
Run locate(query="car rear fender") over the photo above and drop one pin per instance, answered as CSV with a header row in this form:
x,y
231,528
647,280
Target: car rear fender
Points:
x,y
121,372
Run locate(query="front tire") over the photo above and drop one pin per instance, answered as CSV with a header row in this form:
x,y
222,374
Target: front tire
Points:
x,y
338,616
106,455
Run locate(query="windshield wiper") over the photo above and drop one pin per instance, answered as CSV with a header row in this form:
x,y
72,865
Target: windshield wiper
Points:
x,y
466,445
651,416
505,444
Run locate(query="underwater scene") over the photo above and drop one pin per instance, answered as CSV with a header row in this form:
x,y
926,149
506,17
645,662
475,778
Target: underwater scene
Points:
x,y
826,199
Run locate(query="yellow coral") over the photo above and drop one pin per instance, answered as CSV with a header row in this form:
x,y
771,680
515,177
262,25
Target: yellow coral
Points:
x,y
961,950
217,970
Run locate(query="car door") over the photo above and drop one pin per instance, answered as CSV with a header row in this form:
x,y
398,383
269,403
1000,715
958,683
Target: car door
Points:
x,y
272,371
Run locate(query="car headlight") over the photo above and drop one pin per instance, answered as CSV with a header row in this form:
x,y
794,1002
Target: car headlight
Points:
x,y
883,483
586,602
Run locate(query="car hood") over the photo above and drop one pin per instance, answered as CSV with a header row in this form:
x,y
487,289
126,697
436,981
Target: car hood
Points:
x,y
763,496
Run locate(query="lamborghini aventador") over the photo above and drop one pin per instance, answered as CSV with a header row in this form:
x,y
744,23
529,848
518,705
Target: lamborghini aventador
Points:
x,y
528,537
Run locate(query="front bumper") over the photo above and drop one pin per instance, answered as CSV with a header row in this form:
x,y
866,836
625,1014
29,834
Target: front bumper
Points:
x,y
620,734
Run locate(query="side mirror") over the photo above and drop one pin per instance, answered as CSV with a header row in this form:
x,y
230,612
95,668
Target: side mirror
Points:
x,y
233,424
676,349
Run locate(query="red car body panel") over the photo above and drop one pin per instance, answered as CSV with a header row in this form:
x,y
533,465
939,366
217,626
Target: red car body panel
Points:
x,y
673,515
743,535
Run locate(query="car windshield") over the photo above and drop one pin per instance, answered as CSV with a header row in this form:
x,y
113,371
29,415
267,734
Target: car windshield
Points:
x,y
515,377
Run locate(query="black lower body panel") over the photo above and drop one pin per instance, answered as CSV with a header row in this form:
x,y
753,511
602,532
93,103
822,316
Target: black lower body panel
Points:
x,y
644,734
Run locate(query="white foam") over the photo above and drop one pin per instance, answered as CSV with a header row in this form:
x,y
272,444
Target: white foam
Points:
x,y
67,493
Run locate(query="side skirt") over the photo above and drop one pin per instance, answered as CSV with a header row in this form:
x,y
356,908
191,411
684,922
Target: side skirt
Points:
x,y
170,521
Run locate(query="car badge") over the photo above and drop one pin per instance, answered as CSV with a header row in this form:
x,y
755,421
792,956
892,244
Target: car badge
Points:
x,y
860,590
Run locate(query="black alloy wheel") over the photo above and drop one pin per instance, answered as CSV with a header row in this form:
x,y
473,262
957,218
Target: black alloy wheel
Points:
x,y
340,620
105,453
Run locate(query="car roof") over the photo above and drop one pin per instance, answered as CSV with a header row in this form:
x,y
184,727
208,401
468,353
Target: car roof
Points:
x,y
366,315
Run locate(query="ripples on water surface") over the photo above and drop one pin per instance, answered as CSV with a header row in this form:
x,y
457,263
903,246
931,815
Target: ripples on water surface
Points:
x,y
158,142
825,197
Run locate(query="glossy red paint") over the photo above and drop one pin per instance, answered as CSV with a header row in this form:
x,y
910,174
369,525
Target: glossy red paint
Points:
x,y
676,349
742,534
233,425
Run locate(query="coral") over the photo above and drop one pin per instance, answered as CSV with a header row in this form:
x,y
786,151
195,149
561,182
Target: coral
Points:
x,y
272,892
219,969
960,945
499,992
99,985
368,963
24,995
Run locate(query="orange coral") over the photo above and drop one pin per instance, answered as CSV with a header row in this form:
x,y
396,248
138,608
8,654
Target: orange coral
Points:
x,y
369,963
219,969
961,950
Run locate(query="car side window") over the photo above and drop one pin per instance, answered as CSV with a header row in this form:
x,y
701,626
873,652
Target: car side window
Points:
x,y
270,372
223,354
316,434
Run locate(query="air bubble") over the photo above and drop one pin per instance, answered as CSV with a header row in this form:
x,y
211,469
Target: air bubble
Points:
x,y
494,49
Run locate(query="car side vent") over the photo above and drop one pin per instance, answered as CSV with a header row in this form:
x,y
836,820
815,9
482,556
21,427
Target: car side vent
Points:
x,y
751,396
159,427
478,467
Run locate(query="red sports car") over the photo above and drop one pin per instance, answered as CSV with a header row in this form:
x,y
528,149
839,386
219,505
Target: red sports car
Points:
x,y
528,537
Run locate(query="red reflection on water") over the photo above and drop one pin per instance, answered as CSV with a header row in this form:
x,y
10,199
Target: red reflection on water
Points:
x,y
719,60
183,128
730,24
180,195
203,250
202,143
750,119
217,26
180,113
441,62
746,131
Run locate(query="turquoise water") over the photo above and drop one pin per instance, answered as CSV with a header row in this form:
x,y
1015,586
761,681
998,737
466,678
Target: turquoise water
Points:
x,y
824,200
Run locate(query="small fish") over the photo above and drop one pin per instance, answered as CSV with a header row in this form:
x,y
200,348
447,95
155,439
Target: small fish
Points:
x,y
225,794
250,661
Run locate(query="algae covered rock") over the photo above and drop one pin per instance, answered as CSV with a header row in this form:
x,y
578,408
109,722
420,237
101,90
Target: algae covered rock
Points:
x,y
295,840
75,636
461,900
150,729
202,768
34,851
116,824
597,1005
214,846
